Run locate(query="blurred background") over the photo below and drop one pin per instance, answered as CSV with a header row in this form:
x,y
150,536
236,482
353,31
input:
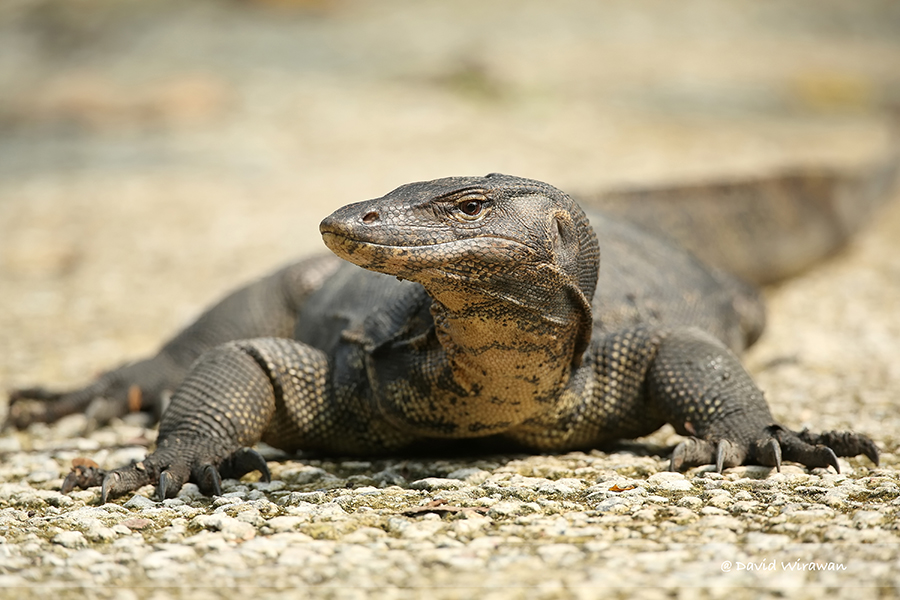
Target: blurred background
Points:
x,y
154,153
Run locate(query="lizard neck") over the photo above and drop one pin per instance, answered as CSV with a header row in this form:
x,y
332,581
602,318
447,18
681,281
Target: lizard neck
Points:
x,y
512,337
502,350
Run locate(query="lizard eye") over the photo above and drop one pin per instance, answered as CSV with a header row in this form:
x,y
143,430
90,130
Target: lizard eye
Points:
x,y
471,208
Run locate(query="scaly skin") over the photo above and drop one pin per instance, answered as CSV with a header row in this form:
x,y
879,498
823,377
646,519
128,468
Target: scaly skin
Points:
x,y
762,230
502,323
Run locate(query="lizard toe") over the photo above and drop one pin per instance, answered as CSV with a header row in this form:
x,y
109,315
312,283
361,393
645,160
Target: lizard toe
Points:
x,y
694,452
123,480
109,486
140,386
32,393
767,452
843,443
30,405
173,464
796,449
170,483
728,454
209,480
777,445
85,473
99,402
245,460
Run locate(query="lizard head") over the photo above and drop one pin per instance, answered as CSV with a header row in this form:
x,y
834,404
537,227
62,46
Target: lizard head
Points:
x,y
472,226
460,237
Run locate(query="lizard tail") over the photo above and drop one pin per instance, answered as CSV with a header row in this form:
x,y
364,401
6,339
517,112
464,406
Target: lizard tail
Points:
x,y
764,229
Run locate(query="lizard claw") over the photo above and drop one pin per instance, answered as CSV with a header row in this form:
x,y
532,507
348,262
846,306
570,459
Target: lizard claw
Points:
x,y
811,455
843,443
768,453
110,484
694,452
127,479
208,477
832,459
778,444
725,452
245,461
210,481
167,486
168,470
84,474
31,405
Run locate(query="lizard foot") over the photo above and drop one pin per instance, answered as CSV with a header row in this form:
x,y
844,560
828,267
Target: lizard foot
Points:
x,y
85,473
777,444
169,471
844,443
41,405
140,386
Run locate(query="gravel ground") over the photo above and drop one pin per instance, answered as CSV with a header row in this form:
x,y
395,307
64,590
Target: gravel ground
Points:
x,y
152,156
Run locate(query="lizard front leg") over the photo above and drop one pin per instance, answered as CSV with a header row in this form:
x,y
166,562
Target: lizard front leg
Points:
x,y
705,393
634,381
235,395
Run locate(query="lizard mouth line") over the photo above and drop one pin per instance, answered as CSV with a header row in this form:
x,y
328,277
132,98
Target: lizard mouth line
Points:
x,y
338,238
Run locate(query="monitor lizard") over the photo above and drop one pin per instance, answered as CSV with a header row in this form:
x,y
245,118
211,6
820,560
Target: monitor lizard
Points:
x,y
478,307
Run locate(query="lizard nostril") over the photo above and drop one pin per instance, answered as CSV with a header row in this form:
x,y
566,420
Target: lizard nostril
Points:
x,y
370,217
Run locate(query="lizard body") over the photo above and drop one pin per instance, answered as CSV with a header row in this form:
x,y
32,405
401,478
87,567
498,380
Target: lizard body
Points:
x,y
503,323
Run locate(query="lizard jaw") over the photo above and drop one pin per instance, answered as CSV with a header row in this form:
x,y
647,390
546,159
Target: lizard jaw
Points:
x,y
408,261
